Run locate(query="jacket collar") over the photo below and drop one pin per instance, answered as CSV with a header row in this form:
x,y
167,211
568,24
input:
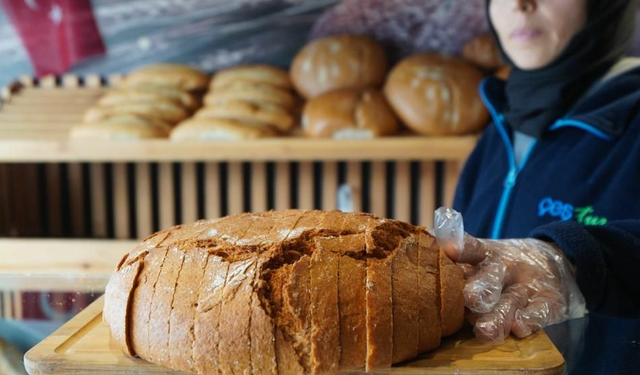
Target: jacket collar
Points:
x,y
606,111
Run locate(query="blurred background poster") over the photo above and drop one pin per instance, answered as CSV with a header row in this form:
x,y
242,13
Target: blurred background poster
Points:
x,y
39,37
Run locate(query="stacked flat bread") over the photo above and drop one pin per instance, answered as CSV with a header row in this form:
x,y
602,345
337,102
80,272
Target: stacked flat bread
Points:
x,y
244,102
292,292
146,104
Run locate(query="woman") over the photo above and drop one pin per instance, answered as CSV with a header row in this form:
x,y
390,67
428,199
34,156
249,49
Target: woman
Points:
x,y
559,167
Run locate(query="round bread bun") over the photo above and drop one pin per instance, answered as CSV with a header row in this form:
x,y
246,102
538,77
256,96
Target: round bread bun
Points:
x,y
252,73
182,77
147,93
252,92
483,52
338,62
165,110
265,113
437,95
121,127
349,114
204,129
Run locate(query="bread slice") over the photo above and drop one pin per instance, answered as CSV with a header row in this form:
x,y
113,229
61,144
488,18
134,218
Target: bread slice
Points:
x,y
117,309
429,320
325,316
288,360
206,326
405,294
235,315
451,286
352,301
183,313
161,306
379,310
262,332
143,297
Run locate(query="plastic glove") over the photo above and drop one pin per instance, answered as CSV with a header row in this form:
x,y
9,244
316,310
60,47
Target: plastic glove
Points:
x,y
515,285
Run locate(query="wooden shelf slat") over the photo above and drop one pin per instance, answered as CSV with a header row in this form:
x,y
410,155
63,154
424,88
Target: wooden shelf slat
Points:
x,y
276,149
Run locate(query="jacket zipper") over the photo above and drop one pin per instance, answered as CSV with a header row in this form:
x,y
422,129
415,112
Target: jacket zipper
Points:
x,y
512,176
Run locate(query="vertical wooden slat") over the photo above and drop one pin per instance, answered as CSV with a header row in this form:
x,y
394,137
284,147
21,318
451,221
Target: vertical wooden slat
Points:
x,y
48,82
189,193
427,193
17,305
235,191
452,171
70,80
26,80
120,201
212,190
283,186
6,302
76,199
379,188
92,80
354,179
329,186
305,184
402,199
166,196
4,200
98,200
144,210
52,172
258,187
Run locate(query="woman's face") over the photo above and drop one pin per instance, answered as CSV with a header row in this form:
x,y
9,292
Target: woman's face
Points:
x,y
534,32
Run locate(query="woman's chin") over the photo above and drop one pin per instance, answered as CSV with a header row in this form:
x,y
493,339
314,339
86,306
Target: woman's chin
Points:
x,y
531,58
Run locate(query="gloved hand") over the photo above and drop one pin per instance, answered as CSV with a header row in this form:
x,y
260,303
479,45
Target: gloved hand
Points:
x,y
515,285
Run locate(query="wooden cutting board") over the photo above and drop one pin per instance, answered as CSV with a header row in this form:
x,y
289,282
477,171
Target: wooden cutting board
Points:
x,y
83,346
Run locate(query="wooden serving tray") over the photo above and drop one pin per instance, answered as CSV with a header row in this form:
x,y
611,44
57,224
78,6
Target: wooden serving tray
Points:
x,y
83,346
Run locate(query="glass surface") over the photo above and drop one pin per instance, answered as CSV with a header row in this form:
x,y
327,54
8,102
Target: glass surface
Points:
x,y
33,306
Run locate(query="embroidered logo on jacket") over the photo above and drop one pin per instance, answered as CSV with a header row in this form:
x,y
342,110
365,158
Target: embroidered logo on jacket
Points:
x,y
566,211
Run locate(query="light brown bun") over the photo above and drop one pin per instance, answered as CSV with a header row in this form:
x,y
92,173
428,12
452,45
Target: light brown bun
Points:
x,y
289,292
265,113
503,73
252,92
121,127
349,114
483,52
203,129
146,93
437,95
165,110
252,73
338,62
181,77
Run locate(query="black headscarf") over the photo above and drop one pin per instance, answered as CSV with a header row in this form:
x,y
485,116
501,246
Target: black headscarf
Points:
x,y
536,98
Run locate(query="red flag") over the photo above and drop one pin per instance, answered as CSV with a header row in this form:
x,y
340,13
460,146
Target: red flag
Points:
x,y
56,33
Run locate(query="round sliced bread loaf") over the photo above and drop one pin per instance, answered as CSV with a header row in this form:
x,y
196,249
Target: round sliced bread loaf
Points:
x,y
292,292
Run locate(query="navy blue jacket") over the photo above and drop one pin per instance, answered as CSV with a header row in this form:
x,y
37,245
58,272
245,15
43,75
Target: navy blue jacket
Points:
x,y
578,186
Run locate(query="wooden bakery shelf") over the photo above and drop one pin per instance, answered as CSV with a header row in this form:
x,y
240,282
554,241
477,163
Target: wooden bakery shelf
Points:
x,y
51,186
35,119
